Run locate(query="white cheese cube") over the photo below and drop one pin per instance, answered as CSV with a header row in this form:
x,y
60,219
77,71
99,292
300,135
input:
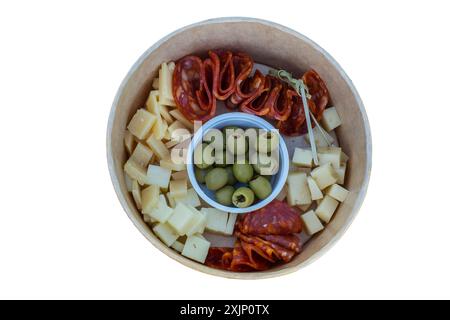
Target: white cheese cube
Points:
x,y
158,147
136,192
337,192
166,233
180,175
298,190
330,119
182,219
216,220
191,199
319,138
302,157
305,207
178,246
326,208
330,155
171,200
141,124
159,128
311,223
232,217
158,176
162,211
136,172
314,189
325,175
150,198
199,223
180,117
152,103
196,248
164,110
129,183
149,220
341,173
142,155
178,188
165,85
130,142
169,164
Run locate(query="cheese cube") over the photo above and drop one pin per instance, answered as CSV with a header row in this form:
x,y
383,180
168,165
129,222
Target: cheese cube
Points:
x,y
330,119
135,172
319,138
305,207
302,157
150,197
128,182
178,132
330,155
159,128
314,189
164,111
169,164
283,193
152,103
141,124
326,208
180,175
178,188
311,223
158,176
180,117
190,199
325,176
166,233
136,192
341,173
232,217
199,223
149,220
171,143
130,142
178,246
216,220
158,147
182,219
162,211
142,155
171,200
165,85
298,190
337,192
196,248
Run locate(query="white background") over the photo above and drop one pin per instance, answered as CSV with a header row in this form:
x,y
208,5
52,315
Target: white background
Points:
x,y
63,233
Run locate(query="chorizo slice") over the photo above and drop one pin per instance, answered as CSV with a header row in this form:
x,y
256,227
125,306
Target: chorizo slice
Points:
x,y
318,91
257,104
224,76
277,218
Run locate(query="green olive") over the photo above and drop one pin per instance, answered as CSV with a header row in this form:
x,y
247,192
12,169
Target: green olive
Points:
x,y
237,142
231,179
263,164
243,172
200,174
261,187
266,141
216,178
204,156
223,196
243,197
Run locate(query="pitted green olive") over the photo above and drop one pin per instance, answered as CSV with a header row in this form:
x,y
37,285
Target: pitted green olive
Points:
x,y
216,178
231,179
261,187
243,172
200,174
237,142
263,164
223,196
243,197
